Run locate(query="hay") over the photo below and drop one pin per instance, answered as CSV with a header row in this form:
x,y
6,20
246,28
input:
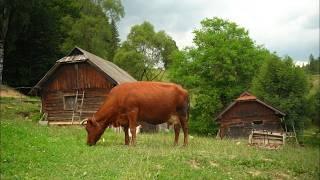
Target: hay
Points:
x,y
6,91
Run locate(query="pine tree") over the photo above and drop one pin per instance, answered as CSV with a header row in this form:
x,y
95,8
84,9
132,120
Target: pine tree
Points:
x,y
115,40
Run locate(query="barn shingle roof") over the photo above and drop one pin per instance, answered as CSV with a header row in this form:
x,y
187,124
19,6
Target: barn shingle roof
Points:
x,y
246,96
111,70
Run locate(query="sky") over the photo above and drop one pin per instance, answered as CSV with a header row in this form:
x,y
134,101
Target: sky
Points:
x,y
288,27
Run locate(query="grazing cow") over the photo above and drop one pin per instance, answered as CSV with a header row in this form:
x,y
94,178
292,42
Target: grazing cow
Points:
x,y
151,102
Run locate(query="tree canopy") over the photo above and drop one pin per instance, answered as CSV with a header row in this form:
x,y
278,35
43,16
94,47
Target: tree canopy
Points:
x,y
285,86
146,53
313,67
220,66
40,32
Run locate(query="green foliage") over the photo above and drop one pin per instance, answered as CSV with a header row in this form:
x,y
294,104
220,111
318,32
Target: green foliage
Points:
x,y
90,30
217,70
201,113
33,42
145,53
90,33
285,86
115,40
113,9
42,31
31,151
314,106
314,65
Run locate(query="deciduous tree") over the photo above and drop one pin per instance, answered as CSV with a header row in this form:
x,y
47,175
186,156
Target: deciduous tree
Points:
x,y
285,86
146,53
219,67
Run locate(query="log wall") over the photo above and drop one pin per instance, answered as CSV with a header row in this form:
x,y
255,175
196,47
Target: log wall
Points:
x,y
66,81
244,116
54,105
75,76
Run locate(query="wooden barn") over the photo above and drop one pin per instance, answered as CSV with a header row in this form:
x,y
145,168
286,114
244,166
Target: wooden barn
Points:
x,y
76,86
246,113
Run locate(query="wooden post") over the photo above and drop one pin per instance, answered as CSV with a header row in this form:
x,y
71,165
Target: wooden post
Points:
x,y
218,134
294,131
285,126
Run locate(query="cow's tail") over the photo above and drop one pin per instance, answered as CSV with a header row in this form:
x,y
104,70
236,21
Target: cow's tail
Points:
x,y
188,108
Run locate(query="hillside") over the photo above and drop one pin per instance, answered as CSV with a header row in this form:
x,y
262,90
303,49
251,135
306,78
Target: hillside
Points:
x,y
6,91
315,83
29,150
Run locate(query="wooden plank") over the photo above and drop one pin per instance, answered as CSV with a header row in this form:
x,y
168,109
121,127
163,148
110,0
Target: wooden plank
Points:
x,y
64,123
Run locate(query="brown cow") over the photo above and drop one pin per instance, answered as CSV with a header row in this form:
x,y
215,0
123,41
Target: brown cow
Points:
x,y
151,102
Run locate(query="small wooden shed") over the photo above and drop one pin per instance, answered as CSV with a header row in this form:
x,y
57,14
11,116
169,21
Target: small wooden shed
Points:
x,y
76,86
246,113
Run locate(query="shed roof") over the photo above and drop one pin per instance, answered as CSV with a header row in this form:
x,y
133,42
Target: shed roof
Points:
x,y
111,70
244,97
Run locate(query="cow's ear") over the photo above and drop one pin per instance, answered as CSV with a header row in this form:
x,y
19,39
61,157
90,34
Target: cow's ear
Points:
x,y
92,123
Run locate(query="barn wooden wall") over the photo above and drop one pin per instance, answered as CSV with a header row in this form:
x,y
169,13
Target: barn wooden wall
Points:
x,y
66,81
237,121
77,76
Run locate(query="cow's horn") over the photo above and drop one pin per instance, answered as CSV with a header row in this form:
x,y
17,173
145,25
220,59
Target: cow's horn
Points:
x,y
83,121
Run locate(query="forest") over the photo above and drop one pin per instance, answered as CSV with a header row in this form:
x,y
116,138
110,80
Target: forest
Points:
x,y
223,62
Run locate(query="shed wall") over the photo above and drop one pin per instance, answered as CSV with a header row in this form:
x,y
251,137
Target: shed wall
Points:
x,y
66,80
54,104
77,76
244,116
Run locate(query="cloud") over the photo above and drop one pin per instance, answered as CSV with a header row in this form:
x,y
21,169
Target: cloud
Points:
x,y
289,27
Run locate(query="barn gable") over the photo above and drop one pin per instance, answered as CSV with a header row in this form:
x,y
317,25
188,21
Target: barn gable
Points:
x,y
247,97
111,71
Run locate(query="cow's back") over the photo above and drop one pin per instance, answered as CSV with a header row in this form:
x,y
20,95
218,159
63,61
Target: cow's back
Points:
x,y
155,101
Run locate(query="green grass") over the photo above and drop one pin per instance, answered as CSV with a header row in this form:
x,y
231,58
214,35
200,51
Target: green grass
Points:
x,y
31,151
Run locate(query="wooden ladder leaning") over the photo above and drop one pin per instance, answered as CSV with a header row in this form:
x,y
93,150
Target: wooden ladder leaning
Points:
x,y
77,108
293,134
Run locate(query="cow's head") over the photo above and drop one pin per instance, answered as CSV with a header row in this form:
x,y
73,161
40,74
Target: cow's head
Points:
x,y
94,131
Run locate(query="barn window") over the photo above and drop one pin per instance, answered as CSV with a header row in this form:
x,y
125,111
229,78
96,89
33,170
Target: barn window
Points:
x,y
257,122
69,102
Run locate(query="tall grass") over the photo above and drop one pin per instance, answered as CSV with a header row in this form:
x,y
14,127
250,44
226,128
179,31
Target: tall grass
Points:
x,y
29,150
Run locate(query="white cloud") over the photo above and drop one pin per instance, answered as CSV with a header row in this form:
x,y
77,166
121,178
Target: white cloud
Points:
x,y
289,27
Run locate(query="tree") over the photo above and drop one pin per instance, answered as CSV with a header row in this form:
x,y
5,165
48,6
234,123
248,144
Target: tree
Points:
x,y
220,66
146,53
91,33
113,9
33,40
14,16
41,31
314,106
285,86
115,40
314,65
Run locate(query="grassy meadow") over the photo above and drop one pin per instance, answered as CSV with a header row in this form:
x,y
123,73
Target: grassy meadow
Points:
x,y
32,151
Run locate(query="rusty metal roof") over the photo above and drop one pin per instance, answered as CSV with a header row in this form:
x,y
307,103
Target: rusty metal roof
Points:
x,y
246,96
111,70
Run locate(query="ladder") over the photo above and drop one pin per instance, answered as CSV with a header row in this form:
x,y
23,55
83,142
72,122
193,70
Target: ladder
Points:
x,y
77,108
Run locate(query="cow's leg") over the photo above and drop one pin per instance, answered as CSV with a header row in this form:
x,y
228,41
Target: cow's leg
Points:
x,y
185,129
132,116
176,133
126,135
